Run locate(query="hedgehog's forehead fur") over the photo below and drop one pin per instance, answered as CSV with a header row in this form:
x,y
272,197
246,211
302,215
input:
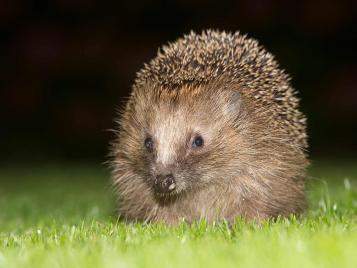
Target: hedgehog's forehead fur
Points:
x,y
155,105
233,59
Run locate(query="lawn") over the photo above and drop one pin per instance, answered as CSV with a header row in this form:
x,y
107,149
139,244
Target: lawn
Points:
x,y
64,216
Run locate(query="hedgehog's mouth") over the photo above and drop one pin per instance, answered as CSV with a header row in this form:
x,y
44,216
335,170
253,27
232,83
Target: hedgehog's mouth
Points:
x,y
165,199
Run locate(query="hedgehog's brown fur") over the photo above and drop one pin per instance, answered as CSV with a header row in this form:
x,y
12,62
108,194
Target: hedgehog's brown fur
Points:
x,y
253,166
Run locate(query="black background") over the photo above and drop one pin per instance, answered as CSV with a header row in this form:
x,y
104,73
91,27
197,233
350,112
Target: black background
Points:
x,y
66,65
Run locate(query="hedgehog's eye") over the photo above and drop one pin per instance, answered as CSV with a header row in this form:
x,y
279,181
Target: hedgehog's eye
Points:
x,y
149,144
197,142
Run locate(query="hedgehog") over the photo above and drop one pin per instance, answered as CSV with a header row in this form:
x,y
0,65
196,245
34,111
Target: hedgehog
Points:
x,y
211,131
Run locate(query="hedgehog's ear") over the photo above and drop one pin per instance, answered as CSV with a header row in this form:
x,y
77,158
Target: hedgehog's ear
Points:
x,y
233,104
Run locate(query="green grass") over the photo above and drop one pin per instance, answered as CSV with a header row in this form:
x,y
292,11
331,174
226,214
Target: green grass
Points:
x,y
63,216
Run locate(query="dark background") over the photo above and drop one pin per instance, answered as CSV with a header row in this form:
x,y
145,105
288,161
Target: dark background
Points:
x,y
66,65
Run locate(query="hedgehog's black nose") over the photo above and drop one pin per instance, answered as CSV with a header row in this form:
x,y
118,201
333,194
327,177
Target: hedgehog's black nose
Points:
x,y
164,183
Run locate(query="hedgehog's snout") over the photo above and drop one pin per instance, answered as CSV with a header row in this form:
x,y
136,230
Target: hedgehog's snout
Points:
x,y
164,184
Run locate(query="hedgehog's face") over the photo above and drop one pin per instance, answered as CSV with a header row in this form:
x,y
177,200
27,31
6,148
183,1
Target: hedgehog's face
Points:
x,y
173,149
188,143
